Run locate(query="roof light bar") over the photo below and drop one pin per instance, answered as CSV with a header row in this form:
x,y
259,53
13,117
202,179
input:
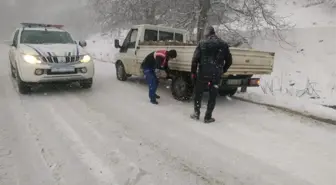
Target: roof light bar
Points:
x,y
31,25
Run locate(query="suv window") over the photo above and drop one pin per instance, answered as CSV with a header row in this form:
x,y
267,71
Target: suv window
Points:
x,y
15,39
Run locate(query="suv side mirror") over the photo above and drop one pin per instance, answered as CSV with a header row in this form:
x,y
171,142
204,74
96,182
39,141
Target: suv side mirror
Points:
x,y
82,43
116,43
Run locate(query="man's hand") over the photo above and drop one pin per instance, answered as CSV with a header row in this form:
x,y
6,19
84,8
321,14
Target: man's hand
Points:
x,y
193,78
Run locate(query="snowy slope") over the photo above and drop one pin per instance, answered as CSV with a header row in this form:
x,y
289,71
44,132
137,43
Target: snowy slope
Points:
x,y
305,68
307,13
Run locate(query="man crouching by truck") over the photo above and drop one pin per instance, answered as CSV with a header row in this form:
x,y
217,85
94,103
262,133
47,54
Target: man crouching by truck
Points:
x,y
156,60
212,57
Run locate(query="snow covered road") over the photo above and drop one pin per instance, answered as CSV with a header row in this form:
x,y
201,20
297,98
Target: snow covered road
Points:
x,y
112,135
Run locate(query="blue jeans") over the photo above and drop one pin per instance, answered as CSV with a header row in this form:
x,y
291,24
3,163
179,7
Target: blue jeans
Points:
x,y
152,81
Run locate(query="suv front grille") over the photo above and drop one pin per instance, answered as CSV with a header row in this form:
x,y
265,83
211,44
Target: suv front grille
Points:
x,y
61,59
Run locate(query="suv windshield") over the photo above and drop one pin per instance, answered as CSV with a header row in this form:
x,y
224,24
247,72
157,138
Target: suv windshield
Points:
x,y
45,37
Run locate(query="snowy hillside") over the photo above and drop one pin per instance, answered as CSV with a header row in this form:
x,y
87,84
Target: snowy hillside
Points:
x,y
305,70
306,67
308,13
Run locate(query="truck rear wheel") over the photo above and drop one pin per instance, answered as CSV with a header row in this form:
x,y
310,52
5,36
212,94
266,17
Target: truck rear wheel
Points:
x,y
181,88
121,73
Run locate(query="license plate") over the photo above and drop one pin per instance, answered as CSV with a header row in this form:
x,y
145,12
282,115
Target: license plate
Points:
x,y
62,69
233,82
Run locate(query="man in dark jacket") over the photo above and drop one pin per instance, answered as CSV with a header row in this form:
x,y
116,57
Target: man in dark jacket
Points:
x,y
212,58
153,61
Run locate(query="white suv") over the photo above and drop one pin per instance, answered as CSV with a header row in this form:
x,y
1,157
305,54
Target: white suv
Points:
x,y
42,53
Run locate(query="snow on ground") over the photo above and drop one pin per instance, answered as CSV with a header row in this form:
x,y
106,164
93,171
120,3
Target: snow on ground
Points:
x,y
112,135
293,104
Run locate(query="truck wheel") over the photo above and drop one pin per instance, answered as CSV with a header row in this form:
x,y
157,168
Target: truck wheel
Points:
x,y
121,73
227,92
182,88
24,88
86,84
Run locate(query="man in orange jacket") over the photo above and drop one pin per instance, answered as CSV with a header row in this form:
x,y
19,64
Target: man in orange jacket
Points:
x,y
156,60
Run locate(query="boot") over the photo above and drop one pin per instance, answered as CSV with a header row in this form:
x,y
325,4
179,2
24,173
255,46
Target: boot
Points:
x,y
208,118
195,116
154,102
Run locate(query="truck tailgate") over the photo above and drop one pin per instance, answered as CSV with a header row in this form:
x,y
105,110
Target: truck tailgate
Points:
x,y
249,61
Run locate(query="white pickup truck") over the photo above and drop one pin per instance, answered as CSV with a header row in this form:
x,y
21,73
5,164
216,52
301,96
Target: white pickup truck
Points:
x,y
143,39
44,53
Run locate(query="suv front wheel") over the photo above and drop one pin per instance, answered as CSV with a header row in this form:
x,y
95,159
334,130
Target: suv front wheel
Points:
x,y
86,84
24,88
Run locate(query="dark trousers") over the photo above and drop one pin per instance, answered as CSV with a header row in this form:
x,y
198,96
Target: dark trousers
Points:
x,y
152,82
200,86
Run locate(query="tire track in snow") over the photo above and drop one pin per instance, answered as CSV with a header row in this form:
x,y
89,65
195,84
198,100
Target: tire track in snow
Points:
x,y
7,168
99,169
23,143
125,169
270,168
157,143
73,99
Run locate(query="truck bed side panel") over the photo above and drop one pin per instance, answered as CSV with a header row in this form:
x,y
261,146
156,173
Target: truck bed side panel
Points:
x,y
245,61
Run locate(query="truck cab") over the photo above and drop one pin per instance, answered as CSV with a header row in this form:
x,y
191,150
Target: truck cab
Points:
x,y
138,35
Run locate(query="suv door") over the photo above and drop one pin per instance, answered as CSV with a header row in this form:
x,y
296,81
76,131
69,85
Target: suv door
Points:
x,y
128,50
12,50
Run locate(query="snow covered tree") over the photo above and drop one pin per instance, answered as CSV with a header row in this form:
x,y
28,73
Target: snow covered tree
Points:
x,y
120,13
232,15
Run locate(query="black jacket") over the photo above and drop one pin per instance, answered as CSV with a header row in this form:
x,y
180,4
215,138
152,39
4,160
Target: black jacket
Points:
x,y
212,50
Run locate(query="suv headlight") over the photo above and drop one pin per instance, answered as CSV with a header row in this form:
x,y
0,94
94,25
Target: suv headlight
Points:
x,y
31,59
85,59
